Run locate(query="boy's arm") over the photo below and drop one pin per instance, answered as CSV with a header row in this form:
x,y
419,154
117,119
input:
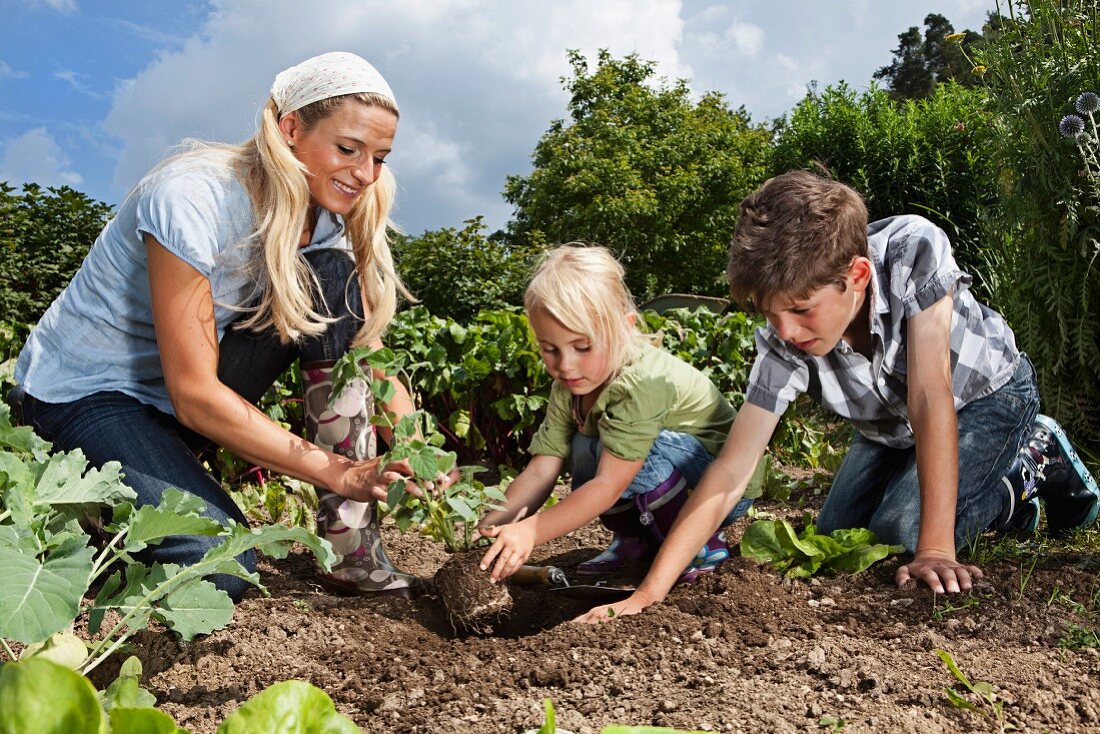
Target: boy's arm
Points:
x,y
527,492
580,507
935,432
721,487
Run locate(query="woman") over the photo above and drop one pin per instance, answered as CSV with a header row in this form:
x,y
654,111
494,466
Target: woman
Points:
x,y
223,266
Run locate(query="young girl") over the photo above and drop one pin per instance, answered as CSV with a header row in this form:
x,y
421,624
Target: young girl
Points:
x,y
223,266
638,425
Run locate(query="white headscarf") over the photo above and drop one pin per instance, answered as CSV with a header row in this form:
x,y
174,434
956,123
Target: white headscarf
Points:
x,y
328,75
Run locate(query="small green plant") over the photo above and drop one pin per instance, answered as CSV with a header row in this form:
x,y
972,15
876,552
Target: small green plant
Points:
x,y
832,723
949,606
50,562
549,726
988,703
41,696
449,516
803,554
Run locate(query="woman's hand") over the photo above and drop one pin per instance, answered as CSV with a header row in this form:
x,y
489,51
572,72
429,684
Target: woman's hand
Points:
x,y
511,550
633,604
365,481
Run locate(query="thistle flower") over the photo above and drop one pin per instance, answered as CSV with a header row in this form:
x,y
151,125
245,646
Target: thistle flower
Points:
x,y
1087,102
1071,126
955,37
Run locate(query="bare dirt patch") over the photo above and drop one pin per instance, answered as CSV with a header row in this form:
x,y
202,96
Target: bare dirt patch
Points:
x,y
742,651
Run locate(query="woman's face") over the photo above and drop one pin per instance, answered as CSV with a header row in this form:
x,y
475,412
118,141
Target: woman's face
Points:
x,y
343,152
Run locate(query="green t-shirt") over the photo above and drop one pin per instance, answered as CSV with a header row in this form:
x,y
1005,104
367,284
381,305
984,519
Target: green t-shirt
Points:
x,y
656,391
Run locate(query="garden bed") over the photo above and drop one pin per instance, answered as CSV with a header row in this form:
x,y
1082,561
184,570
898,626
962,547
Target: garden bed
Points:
x,y
743,651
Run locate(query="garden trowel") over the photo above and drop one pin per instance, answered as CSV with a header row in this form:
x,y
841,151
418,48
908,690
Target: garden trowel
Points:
x,y
554,579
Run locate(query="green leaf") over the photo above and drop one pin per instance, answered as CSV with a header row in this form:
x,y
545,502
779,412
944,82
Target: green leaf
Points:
x,y
863,558
39,598
22,439
176,515
63,648
949,661
64,482
40,696
142,721
424,464
289,707
126,691
760,543
459,505
459,423
197,608
958,700
549,723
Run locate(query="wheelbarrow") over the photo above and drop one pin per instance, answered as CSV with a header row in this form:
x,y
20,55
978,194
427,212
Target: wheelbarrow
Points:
x,y
554,579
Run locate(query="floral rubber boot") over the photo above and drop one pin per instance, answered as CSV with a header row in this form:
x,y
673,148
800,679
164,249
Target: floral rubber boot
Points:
x,y
351,527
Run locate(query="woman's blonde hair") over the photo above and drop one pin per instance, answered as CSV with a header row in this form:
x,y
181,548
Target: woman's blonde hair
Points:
x,y
582,288
276,183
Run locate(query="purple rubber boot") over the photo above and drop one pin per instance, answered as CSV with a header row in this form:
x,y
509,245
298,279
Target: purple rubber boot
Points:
x,y
659,509
630,543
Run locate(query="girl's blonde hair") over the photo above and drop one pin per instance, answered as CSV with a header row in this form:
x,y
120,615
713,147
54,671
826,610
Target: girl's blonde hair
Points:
x,y
276,183
583,289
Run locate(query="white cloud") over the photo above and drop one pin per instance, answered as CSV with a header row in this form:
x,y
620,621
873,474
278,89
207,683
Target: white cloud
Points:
x,y
63,6
6,72
477,81
746,37
35,157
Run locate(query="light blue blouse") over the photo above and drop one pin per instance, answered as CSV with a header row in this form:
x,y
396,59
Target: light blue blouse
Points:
x,y
98,334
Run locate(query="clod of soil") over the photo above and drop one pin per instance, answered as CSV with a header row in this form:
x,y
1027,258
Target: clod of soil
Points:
x,y
473,603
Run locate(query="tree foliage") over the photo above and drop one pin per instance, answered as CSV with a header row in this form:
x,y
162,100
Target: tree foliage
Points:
x,y
44,236
641,168
456,273
920,63
921,156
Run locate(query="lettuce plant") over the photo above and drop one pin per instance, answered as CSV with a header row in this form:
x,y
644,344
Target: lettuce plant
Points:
x,y
449,516
50,562
803,554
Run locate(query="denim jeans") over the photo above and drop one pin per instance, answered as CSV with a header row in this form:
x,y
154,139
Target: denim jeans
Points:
x,y
157,452
876,486
670,451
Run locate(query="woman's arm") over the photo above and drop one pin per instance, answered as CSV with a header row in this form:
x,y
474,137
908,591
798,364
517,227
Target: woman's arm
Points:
x,y
183,315
721,487
583,505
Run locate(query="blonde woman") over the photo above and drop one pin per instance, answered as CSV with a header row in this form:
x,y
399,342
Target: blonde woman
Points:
x,y
221,267
637,425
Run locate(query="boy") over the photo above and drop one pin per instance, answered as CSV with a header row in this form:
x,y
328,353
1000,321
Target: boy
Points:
x,y
876,323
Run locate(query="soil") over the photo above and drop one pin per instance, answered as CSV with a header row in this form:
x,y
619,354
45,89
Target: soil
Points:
x,y
473,602
744,650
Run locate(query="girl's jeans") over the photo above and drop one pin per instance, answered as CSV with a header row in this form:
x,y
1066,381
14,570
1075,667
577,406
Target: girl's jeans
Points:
x,y
876,486
670,451
157,452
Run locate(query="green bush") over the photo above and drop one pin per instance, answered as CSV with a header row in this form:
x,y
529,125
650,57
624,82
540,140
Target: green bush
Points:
x,y
923,156
1043,242
44,236
644,170
457,273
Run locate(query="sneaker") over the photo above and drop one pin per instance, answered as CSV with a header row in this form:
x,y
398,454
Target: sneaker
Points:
x,y
1021,509
715,551
624,549
1066,487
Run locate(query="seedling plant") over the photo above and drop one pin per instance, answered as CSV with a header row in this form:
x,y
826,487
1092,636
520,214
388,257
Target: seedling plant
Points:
x,y
979,697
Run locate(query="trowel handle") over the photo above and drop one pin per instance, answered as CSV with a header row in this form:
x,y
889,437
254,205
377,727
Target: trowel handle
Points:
x,y
537,576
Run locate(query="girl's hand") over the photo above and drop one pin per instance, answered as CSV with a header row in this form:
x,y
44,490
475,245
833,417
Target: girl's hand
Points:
x,y
364,481
511,550
633,604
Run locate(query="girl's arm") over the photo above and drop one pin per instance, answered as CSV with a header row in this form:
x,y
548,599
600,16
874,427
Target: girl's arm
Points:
x,y
183,316
583,505
527,492
721,487
936,435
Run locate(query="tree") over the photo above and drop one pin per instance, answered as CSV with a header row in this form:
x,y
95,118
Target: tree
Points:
x,y
457,273
645,171
920,64
44,236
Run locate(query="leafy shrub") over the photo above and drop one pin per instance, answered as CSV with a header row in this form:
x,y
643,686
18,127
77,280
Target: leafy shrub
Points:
x,y
915,157
644,170
44,236
1044,236
457,273
804,554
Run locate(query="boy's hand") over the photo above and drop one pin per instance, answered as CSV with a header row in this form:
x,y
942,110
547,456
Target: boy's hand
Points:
x,y
511,550
940,571
633,604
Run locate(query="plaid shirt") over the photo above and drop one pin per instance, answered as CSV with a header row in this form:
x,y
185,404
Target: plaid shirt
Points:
x,y
913,269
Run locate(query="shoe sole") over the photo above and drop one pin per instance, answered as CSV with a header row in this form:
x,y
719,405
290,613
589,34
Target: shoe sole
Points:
x,y
1078,466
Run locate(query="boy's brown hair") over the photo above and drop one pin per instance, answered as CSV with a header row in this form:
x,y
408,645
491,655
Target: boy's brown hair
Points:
x,y
797,233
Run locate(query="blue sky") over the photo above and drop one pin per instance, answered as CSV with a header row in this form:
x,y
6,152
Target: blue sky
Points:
x,y
92,93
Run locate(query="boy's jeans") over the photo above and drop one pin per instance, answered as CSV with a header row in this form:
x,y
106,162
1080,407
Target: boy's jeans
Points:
x,y
157,452
876,486
670,451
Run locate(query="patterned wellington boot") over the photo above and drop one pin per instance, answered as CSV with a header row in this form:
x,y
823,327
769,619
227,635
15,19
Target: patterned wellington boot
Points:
x,y
352,527
630,543
658,510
